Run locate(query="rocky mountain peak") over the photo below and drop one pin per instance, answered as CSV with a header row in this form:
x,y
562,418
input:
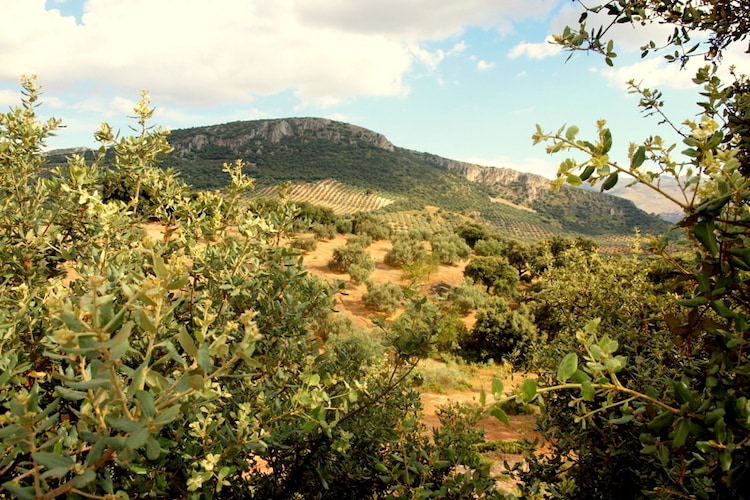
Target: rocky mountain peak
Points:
x,y
239,135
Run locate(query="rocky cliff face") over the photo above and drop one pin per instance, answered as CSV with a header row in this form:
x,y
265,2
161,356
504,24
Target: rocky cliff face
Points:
x,y
520,187
238,135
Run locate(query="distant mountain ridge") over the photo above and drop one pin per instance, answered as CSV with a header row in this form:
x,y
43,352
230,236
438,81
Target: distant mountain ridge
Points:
x,y
340,157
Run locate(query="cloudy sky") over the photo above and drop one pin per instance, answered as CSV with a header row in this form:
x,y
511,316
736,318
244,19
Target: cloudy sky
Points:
x,y
464,79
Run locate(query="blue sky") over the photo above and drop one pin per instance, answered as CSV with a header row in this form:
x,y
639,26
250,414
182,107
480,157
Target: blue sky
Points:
x,y
464,79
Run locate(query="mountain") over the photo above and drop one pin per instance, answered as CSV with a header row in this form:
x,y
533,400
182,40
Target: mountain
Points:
x,y
336,160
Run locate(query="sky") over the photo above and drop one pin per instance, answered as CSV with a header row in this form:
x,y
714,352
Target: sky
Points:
x,y
463,79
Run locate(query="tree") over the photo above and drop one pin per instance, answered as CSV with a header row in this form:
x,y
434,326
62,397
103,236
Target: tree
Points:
x,y
186,363
691,421
494,273
725,22
405,250
385,297
352,258
501,334
450,248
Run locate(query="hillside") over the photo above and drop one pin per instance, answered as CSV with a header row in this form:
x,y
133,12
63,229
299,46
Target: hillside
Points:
x,y
333,163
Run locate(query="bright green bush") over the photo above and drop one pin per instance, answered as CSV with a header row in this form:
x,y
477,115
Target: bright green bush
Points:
x,y
185,362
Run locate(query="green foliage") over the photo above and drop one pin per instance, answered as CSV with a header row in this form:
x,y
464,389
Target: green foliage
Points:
x,y
385,297
488,247
450,248
304,244
351,255
467,297
495,273
472,233
617,289
668,420
405,250
501,333
313,151
364,224
185,362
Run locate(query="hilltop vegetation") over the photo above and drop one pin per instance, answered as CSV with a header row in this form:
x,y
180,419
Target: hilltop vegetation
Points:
x,y
307,150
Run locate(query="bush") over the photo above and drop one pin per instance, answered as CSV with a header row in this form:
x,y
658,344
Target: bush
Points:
x,y
501,334
450,248
386,297
349,255
304,244
468,297
324,231
405,251
140,366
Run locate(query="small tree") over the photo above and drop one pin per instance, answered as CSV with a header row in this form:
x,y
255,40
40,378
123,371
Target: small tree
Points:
x,y
501,333
405,250
494,273
450,248
386,297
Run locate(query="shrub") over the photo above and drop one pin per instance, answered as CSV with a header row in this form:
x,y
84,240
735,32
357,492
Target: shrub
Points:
x,y
501,334
344,257
304,244
468,297
386,297
324,231
450,248
140,366
405,251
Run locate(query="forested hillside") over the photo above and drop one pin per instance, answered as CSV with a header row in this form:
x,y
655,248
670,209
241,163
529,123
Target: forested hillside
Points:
x,y
309,150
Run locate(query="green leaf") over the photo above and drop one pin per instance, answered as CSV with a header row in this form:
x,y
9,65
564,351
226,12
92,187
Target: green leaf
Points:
x,y
661,421
82,480
144,321
159,268
124,424
204,358
528,389
166,416
22,493
681,433
497,386
574,180
587,391
70,394
638,157
610,181
586,174
500,415
704,232
153,448
146,403
567,367
571,133
52,460
186,341
137,439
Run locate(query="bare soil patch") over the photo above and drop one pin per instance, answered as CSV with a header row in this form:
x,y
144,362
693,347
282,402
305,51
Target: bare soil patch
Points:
x,y
350,303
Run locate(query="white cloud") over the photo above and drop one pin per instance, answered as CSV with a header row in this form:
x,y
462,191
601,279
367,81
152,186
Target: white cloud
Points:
x,y
459,48
9,98
483,65
535,50
207,53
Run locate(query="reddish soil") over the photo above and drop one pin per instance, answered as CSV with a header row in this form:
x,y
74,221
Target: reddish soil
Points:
x,y
350,301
